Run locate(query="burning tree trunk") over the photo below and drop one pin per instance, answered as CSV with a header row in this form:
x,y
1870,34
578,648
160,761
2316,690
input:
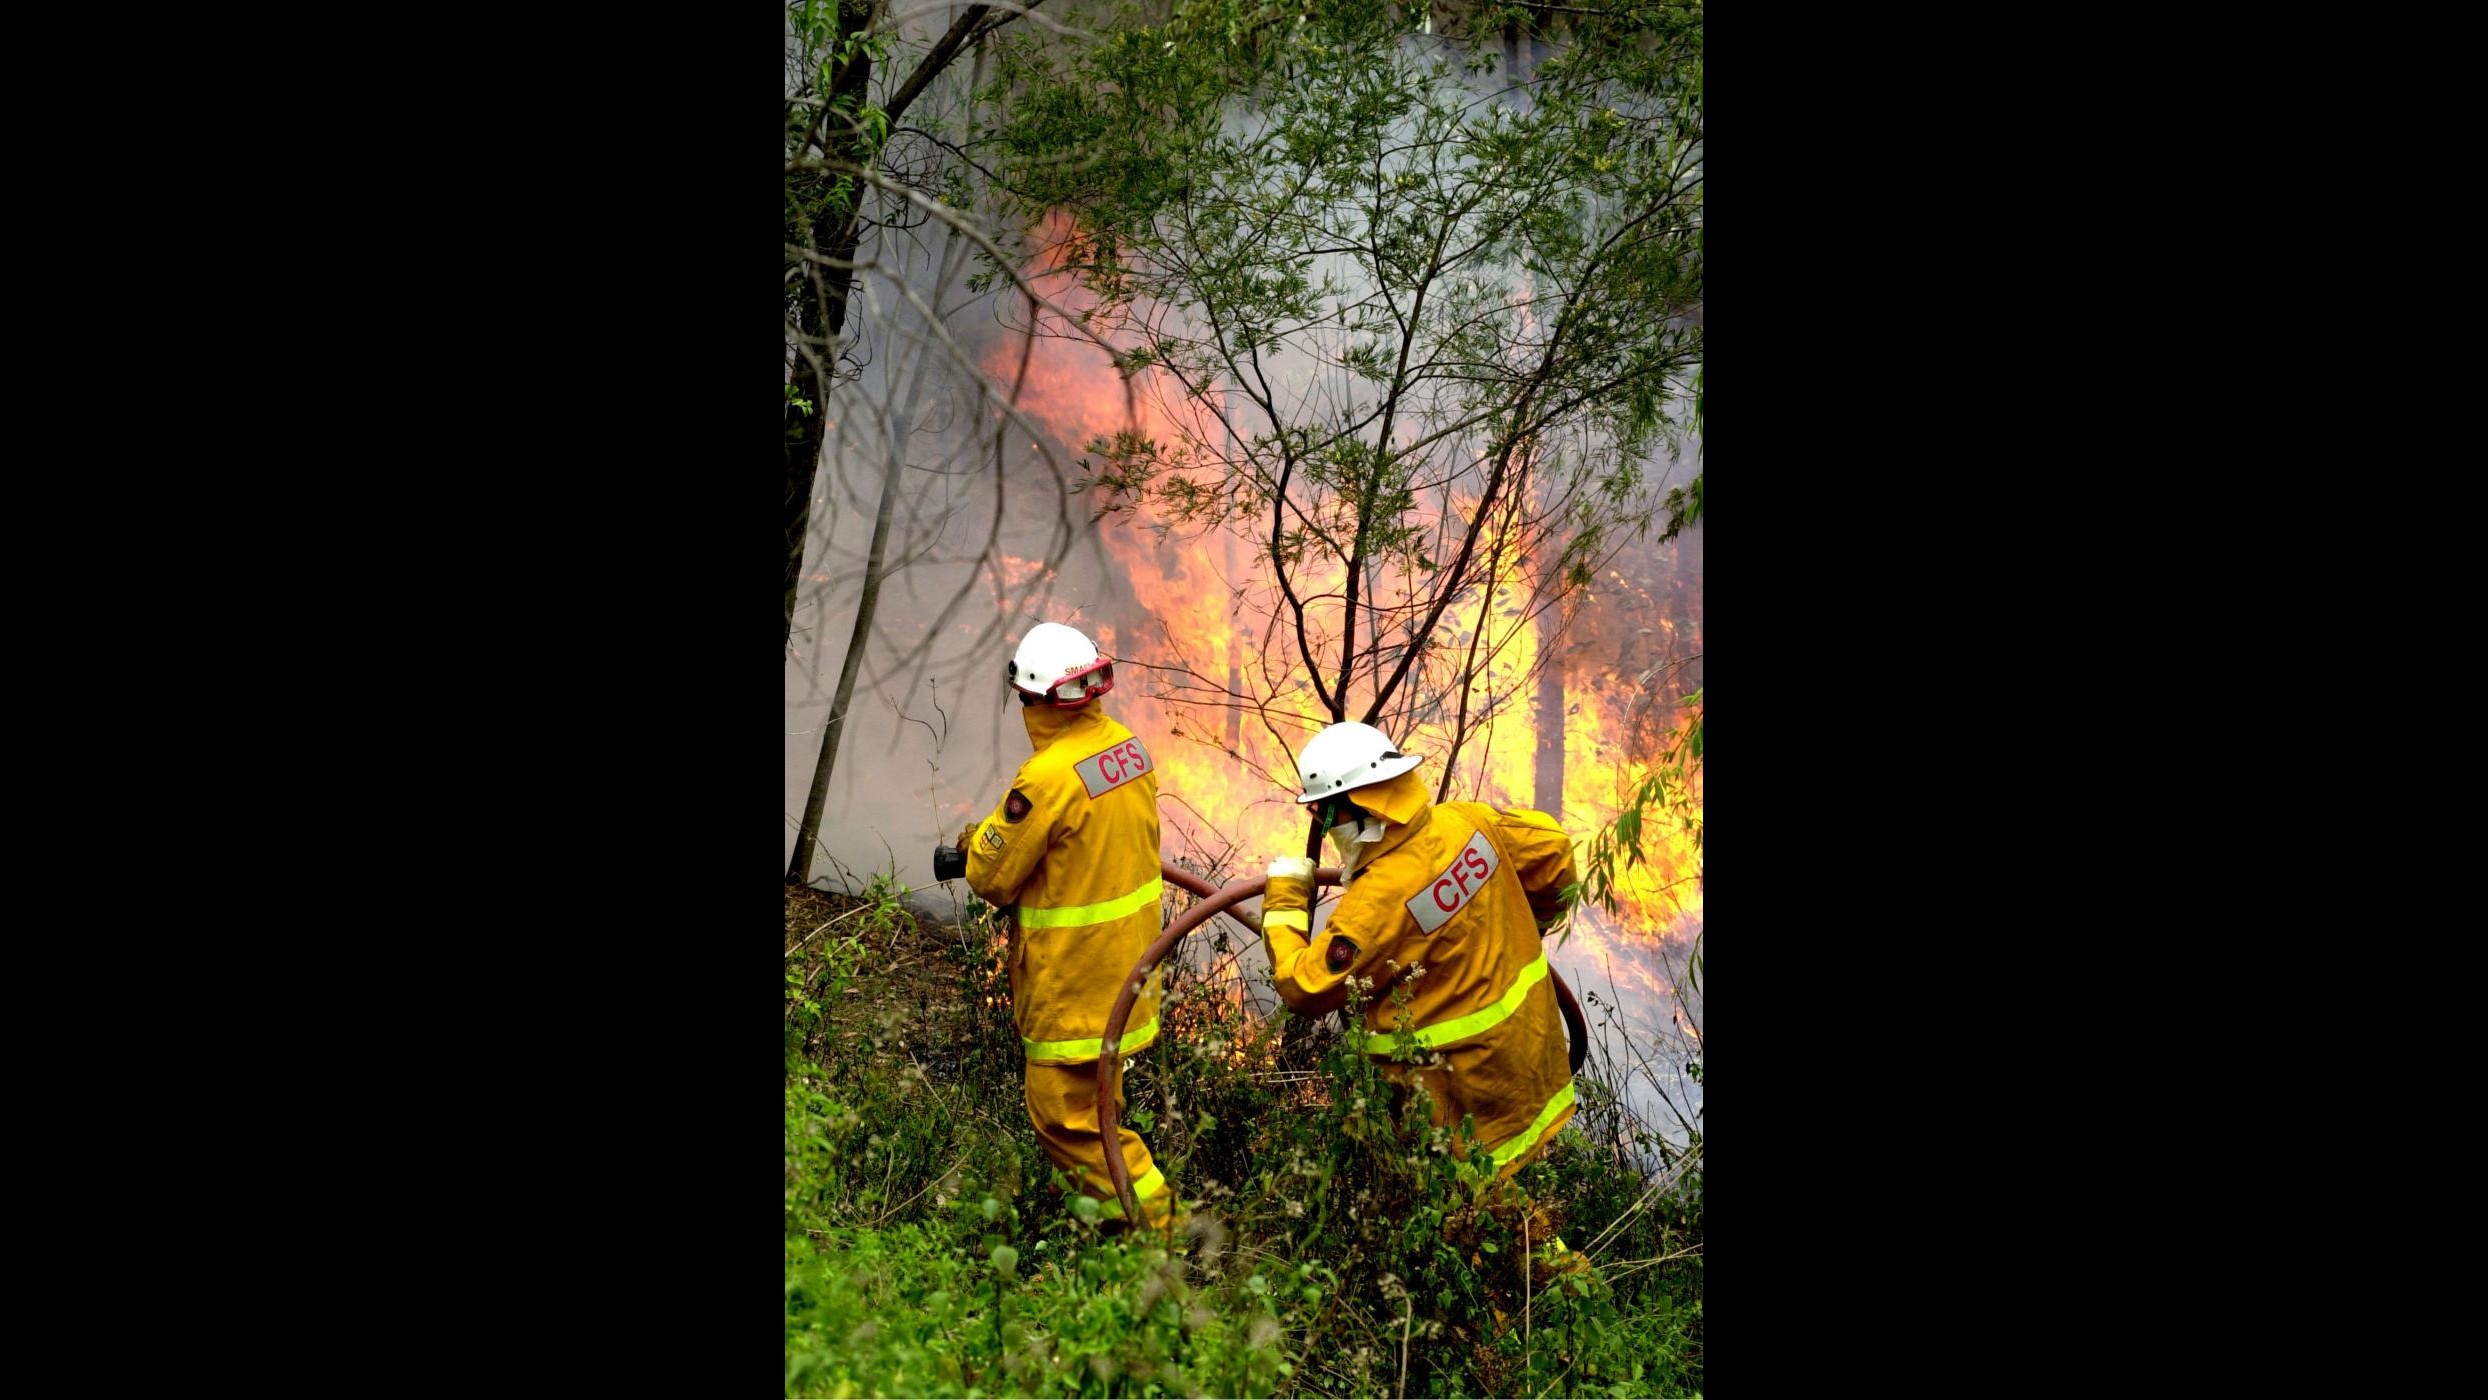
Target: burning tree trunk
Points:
x,y
1235,656
1550,714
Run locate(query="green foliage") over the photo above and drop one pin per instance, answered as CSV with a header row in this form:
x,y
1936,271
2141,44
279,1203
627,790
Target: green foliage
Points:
x,y
828,39
948,1306
1684,509
1345,1167
837,139
989,1050
1430,318
819,972
930,1250
815,975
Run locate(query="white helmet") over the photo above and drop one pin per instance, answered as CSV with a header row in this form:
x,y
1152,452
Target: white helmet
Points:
x,y
1348,756
1057,663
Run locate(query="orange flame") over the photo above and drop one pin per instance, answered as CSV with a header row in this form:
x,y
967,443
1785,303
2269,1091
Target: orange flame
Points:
x,y
1195,630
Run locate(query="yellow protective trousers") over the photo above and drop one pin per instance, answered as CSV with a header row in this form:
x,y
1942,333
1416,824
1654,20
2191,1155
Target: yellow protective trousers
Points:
x,y
1062,1103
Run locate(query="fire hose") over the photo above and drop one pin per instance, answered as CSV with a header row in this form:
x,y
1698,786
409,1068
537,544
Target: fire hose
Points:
x,y
1573,1022
1217,900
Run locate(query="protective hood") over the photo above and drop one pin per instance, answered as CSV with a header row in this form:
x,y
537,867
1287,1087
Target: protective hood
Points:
x,y
1395,803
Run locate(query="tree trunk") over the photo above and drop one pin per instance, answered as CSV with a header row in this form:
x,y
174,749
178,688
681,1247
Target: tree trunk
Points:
x,y
821,314
803,456
799,868
901,428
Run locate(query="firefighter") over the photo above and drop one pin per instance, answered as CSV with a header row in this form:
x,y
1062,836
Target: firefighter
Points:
x,y
1072,853
1460,890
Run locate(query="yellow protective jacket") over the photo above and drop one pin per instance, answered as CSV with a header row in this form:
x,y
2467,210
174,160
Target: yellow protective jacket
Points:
x,y
1460,890
1072,851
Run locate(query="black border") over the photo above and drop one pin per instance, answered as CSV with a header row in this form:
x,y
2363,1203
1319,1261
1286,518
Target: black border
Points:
x,y
580,1013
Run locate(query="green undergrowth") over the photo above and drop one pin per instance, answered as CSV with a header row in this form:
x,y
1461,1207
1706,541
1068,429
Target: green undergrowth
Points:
x,y
1337,1245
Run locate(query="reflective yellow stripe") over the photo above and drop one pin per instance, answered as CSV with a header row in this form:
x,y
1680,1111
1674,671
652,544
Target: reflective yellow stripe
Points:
x,y
1135,1040
1073,916
1287,918
1153,1184
1529,1136
1458,1027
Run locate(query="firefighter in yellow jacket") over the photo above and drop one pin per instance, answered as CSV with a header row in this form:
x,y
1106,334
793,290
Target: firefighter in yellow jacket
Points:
x,y
1072,853
1459,889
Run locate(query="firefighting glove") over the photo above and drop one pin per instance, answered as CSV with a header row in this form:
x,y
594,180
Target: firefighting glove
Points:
x,y
1296,869
1284,905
